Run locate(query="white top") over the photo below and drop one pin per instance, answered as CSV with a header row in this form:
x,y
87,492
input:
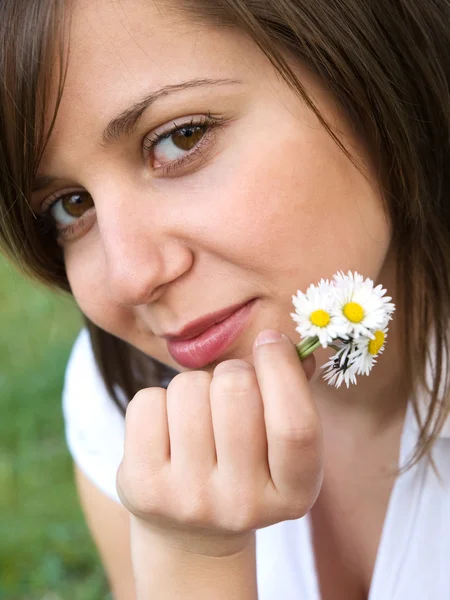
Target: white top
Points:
x,y
413,560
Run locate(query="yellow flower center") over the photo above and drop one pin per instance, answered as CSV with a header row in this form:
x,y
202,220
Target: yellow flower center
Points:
x,y
320,318
376,344
354,312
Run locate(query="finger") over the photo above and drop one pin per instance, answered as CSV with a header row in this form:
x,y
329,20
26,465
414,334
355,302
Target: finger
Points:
x,y
146,431
140,477
238,423
192,447
292,422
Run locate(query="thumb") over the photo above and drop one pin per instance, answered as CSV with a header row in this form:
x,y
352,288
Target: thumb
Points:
x,y
293,426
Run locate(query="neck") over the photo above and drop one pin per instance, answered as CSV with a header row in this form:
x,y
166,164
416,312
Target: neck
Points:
x,y
376,399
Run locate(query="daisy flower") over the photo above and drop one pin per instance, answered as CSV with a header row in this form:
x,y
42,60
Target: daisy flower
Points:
x,y
367,350
340,368
315,315
359,305
348,314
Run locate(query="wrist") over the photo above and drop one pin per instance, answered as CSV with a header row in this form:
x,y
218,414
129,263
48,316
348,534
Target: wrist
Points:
x,y
172,566
202,543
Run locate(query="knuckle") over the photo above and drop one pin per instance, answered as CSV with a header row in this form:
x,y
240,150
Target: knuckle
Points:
x,y
190,378
299,436
195,507
232,363
142,399
243,518
299,500
194,512
141,493
233,379
241,510
146,393
296,509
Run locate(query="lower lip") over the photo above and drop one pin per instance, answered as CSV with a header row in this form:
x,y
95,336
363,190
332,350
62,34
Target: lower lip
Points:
x,y
207,347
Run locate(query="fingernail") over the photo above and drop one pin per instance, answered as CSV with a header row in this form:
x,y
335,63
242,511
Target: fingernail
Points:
x,y
269,336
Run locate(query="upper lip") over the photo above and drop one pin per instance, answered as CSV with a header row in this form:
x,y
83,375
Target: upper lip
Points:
x,y
195,328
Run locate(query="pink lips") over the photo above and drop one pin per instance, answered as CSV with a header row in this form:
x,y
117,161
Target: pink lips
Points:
x,y
209,345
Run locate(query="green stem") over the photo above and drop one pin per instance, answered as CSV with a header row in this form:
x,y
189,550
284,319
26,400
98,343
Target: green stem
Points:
x,y
307,347
307,343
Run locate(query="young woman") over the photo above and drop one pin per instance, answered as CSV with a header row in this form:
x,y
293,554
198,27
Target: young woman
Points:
x,y
176,164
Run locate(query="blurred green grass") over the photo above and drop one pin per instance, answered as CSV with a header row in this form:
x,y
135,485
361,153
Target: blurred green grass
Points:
x,y
45,549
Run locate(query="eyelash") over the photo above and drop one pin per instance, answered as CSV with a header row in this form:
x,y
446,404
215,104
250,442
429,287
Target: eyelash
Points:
x,y
149,143
206,120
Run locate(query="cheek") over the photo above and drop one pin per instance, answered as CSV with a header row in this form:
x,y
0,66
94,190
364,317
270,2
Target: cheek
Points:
x,y
86,274
300,209
284,215
90,290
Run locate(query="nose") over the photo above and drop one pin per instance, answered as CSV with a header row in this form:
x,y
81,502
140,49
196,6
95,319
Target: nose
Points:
x,y
141,256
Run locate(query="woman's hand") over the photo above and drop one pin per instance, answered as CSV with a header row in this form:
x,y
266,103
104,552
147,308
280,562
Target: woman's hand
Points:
x,y
217,456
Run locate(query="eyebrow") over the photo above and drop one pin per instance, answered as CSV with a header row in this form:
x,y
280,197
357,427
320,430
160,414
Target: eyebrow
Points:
x,y
124,124
126,121
42,182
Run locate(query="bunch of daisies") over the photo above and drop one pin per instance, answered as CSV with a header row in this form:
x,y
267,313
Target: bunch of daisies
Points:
x,y
349,315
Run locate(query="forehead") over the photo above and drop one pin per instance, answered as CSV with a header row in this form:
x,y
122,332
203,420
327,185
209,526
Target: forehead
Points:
x,y
109,36
121,51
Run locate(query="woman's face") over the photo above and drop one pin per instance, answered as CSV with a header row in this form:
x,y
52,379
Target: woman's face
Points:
x,y
255,203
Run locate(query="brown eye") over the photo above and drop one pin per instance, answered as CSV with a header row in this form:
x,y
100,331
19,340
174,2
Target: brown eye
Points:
x,y
180,145
187,137
76,204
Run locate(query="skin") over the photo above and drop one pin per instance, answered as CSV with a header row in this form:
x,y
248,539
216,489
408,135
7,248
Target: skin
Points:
x,y
269,206
290,207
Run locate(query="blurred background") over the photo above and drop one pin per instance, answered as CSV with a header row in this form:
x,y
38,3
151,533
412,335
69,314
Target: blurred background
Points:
x,y
45,549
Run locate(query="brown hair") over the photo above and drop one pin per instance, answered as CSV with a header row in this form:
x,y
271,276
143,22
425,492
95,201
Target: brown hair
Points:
x,y
385,61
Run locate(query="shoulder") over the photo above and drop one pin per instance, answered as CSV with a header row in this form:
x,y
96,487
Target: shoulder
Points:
x,y
81,367
94,425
